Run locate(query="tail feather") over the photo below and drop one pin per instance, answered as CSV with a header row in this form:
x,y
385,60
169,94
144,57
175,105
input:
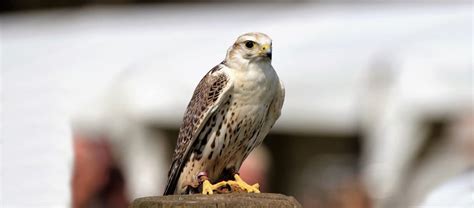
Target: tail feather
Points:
x,y
172,180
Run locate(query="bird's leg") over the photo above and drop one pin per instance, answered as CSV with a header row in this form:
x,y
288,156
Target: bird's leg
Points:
x,y
207,187
243,185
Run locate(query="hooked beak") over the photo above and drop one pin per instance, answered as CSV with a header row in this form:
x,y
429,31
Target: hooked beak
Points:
x,y
266,51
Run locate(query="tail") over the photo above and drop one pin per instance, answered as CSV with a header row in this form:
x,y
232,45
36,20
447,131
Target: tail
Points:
x,y
170,188
172,180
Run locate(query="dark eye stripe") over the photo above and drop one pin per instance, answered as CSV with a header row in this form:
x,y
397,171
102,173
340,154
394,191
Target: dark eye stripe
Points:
x,y
249,44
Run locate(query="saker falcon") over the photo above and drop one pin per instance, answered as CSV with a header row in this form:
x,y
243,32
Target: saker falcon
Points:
x,y
231,111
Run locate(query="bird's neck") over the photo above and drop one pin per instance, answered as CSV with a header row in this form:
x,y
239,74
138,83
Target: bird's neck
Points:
x,y
239,63
235,62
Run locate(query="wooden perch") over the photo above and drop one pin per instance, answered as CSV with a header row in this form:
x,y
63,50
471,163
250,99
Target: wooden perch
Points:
x,y
218,201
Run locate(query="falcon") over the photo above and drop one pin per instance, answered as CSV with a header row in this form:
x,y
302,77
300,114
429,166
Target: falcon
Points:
x,y
231,111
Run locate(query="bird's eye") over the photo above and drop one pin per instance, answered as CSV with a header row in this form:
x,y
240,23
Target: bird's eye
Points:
x,y
249,44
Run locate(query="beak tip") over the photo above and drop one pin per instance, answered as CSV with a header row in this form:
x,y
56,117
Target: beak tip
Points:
x,y
269,55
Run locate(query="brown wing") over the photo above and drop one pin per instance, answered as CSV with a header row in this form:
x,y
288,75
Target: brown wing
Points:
x,y
205,100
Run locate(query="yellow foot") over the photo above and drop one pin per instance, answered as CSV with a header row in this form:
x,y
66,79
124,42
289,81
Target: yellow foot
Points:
x,y
208,188
243,185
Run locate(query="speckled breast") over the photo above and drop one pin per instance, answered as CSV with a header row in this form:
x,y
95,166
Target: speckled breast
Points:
x,y
226,140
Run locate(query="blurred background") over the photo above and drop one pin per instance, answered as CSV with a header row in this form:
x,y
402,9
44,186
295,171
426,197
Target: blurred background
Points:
x,y
378,109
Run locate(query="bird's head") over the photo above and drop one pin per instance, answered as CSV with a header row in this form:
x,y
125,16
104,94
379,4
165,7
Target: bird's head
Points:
x,y
251,47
